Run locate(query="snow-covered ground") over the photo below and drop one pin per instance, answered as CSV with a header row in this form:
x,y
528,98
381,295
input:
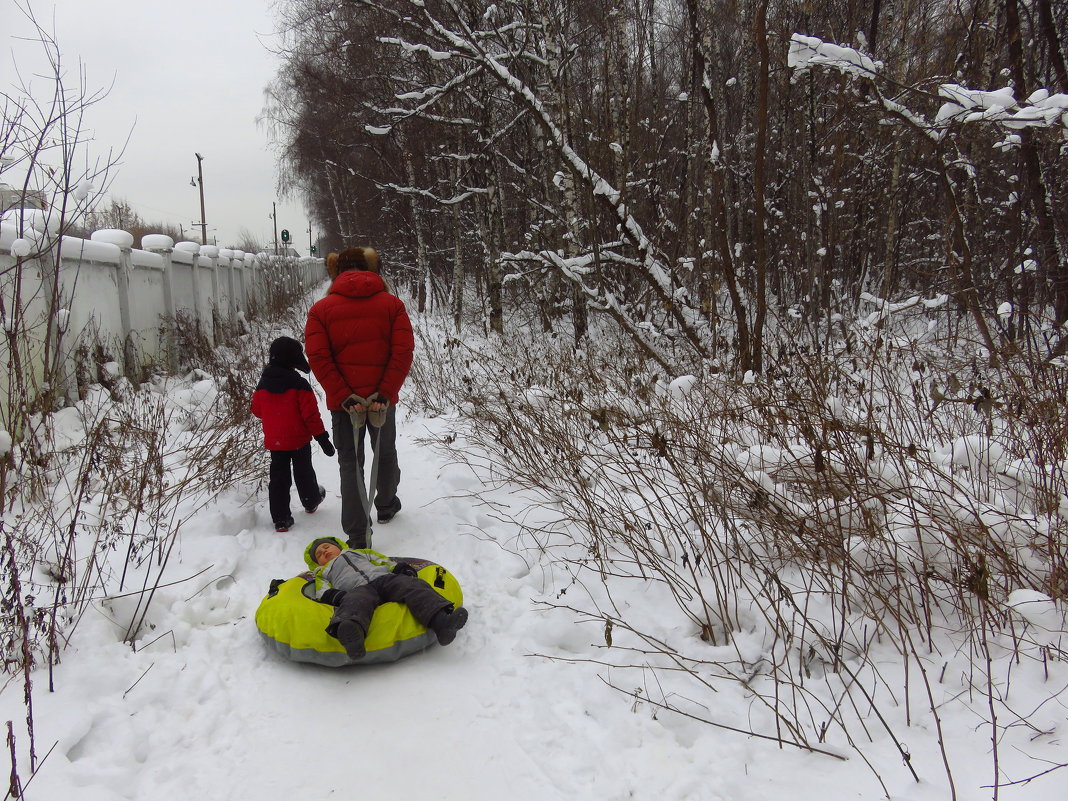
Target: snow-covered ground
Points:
x,y
201,710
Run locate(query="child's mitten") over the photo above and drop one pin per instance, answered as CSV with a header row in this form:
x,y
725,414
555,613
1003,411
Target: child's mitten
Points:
x,y
325,443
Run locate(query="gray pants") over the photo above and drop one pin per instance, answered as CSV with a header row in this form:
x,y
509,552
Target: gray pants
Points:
x,y
350,458
359,604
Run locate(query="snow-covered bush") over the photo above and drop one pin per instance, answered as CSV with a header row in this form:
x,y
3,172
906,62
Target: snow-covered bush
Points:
x,y
837,521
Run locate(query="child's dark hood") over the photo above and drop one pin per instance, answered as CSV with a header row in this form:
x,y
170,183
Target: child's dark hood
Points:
x,y
287,352
278,380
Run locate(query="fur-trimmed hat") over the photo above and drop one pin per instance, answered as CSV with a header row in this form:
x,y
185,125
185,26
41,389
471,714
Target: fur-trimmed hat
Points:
x,y
331,265
357,259
287,352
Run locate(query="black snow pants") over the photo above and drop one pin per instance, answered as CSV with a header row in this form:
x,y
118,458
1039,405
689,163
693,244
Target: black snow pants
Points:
x,y
297,463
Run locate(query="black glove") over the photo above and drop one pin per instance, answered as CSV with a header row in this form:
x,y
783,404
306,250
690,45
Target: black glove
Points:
x,y
332,597
325,443
404,569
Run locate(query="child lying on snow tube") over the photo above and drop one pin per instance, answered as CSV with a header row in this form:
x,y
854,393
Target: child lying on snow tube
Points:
x,y
354,591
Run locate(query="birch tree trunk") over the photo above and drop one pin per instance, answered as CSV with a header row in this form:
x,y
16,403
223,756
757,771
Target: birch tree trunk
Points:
x,y
458,272
422,265
760,210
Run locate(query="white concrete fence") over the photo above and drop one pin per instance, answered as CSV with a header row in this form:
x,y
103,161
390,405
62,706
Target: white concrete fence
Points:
x,y
102,292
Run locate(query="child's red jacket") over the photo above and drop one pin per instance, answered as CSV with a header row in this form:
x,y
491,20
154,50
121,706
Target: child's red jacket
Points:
x,y
284,401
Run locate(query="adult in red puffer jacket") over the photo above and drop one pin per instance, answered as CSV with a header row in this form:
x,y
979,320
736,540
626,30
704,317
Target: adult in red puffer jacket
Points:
x,y
359,342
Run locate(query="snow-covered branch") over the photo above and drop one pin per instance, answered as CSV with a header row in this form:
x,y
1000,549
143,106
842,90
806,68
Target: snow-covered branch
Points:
x,y
807,51
416,191
1041,109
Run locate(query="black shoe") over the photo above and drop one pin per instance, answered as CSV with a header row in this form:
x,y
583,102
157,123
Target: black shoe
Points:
x,y
283,525
385,515
322,497
351,636
446,623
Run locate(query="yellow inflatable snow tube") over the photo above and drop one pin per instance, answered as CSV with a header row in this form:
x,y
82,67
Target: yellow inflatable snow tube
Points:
x,y
293,623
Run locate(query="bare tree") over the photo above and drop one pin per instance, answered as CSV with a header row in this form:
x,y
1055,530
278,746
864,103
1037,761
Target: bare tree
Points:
x,y
661,166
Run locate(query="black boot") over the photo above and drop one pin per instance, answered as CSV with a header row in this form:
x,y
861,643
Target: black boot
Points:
x,y
447,622
385,515
322,497
351,636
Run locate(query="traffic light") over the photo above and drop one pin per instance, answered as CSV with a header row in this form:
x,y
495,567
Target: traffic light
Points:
x,y
314,250
285,235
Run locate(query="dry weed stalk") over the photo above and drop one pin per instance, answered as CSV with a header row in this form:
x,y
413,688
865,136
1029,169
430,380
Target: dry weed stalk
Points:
x,y
97,493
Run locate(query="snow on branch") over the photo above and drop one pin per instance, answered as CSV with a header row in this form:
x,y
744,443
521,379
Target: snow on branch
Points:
x,y
451,201
466,46
403,113
886,308
429,96
1041,109
575,267
410,49
644,333
806,51
964,105
811,51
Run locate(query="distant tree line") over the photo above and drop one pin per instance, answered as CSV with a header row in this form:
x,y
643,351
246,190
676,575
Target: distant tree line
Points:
x,y
664,164
118,213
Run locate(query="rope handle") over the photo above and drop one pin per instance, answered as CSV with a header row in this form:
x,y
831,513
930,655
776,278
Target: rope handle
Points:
x,y
358,409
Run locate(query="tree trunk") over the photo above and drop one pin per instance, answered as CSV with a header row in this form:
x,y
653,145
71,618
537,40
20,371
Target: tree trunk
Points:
x,y
458,274
422,265
1053,42
760,211
1053,268
718,218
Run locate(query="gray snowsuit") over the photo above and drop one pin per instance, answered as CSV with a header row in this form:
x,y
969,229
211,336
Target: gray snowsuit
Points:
x,y
357,583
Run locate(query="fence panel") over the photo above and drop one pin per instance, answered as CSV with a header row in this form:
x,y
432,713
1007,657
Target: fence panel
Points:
x,y
116,298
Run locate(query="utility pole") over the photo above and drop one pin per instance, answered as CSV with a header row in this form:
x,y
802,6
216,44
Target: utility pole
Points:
x,y
274,217
200,180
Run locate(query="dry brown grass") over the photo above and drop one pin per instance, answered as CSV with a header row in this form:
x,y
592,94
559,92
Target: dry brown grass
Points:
x,y
830,507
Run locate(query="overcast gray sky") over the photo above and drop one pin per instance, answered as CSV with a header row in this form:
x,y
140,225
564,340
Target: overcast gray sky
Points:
x,y
188,77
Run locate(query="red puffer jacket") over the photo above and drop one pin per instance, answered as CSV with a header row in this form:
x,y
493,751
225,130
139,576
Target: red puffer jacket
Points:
x,y
359,339
284,401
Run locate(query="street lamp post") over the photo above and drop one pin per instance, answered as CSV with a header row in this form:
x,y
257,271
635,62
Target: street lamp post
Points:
x,y
200,180
274,217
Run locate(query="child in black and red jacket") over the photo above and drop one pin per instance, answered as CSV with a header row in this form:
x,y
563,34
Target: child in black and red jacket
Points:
x,y
284,401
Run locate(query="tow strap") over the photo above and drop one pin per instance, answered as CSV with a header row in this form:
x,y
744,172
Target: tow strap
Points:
x,y
358,413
